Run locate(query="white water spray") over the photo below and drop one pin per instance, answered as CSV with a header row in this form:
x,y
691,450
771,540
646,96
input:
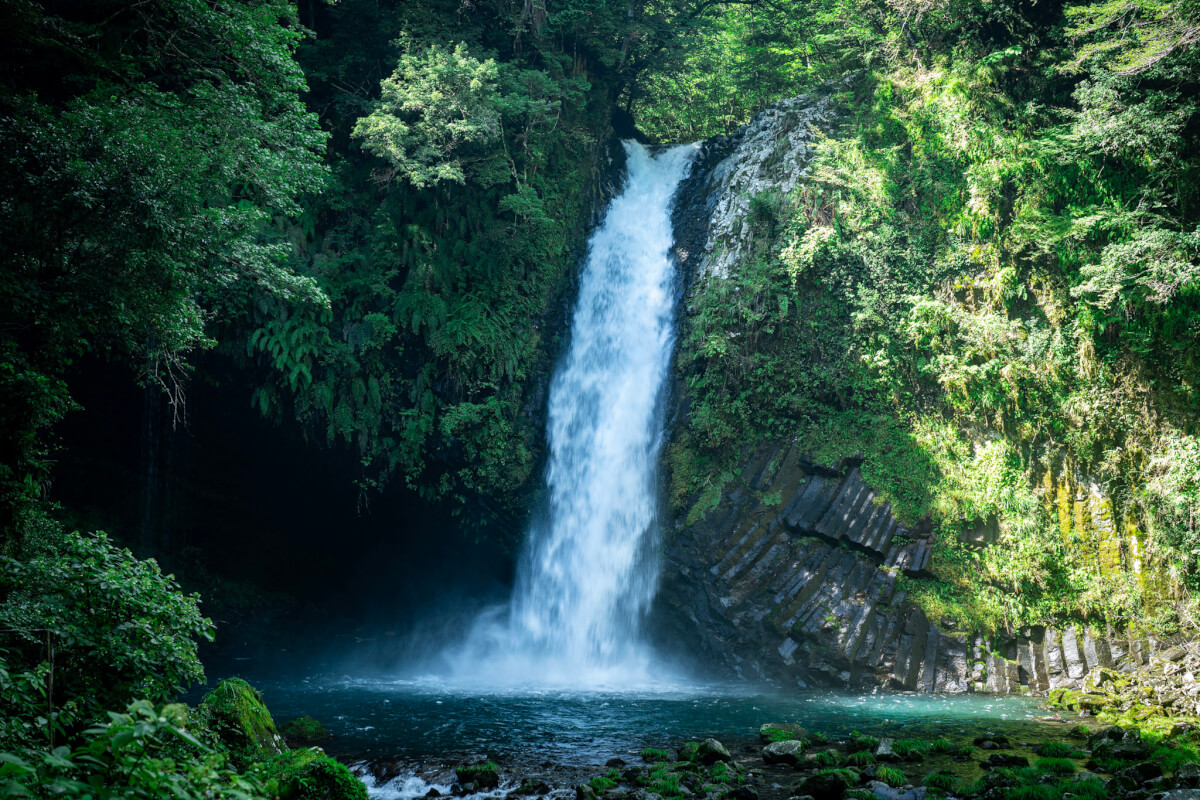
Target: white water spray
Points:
x,y
589,570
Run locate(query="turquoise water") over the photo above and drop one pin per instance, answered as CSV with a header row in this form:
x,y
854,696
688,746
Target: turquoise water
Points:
x,y
383,718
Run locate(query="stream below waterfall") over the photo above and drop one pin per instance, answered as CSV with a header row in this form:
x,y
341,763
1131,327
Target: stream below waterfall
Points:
x,y
427,718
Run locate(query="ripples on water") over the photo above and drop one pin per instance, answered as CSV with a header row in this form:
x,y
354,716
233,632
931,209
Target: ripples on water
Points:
x,y
430,718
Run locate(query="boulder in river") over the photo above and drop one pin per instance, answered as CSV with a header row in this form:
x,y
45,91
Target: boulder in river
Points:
x,y
711,751
885,792
992,741
1004,760
884,751
483,776
781,732
825,786
789,752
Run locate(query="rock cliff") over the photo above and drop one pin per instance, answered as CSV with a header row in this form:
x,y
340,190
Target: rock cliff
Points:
x,y
795,575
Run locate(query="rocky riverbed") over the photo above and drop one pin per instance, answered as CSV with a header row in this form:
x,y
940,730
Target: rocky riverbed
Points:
x,y
788,762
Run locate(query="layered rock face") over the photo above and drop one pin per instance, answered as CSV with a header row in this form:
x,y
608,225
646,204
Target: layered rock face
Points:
x,y
795,575
794,579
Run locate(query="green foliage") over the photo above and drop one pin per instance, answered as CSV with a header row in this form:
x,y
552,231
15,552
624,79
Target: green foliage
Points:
x,y
146,752
1055,766
860,742
103,627
602,783
654,755
911,749
308,774
988,287
943,746
816,737
941,779
828,758
1054,750
890,775
146,158
484,776
862,758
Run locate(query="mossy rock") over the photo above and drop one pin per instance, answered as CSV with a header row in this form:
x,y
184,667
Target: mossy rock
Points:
x,y
305,730
483,776
235,712
1064,699
309,774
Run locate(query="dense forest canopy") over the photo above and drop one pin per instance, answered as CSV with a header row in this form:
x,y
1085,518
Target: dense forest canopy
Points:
x,y
989,288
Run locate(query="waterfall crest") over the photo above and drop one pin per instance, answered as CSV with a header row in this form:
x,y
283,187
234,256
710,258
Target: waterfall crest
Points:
x,y
589,569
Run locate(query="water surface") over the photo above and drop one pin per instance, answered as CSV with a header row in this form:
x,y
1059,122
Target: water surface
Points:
x,y
427,718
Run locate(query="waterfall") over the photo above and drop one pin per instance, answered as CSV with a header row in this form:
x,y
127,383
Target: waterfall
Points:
x,y
589,570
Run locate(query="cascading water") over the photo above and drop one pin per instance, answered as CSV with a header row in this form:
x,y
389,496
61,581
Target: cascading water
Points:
x,y
589,570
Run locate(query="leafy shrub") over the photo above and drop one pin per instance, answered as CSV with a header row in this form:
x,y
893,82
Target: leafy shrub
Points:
x,y
118,629
309,774
145,753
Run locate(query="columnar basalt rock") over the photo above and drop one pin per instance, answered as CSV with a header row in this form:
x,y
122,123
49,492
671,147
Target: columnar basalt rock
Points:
x,y
794,578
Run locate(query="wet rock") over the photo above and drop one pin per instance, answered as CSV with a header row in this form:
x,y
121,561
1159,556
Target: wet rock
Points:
x,y
1180,794
585,792
1106,737
1003,760
885,792
1138,774
884,751
743,792
615,762
789,753
711,751
781,731
1188,776
433,792
530,788
482,777
998,741
826,786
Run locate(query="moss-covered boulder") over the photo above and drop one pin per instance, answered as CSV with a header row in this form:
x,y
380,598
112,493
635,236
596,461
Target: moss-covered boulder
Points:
x,y
482,777
235,712
309,774
304,731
